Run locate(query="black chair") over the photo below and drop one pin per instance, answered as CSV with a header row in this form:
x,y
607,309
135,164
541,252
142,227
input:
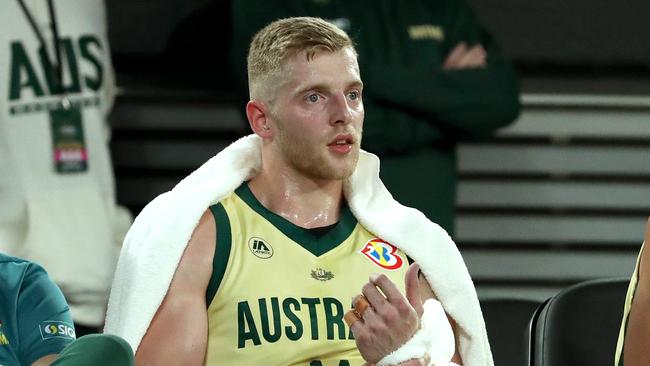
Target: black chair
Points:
x,y
579,325
507,322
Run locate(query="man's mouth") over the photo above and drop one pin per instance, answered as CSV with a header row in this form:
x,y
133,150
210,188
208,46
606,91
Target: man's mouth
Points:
x,y
342,144
342,140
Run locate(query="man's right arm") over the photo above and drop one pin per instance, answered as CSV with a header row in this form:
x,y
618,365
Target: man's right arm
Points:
x,y
637,337
178,333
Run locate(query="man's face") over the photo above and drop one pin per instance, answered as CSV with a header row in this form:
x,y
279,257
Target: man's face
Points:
x,y
318,114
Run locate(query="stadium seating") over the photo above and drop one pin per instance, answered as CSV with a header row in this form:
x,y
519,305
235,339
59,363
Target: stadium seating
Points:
x,y
579,325
507,322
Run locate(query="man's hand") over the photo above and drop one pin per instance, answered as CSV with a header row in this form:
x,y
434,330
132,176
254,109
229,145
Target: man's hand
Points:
x,y
465,57
391,320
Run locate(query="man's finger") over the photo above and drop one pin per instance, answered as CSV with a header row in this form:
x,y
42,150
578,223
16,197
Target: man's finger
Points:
x,y
350,318
412,283
647,233
454,56
360,304
356,328
370,317
386,286
376,299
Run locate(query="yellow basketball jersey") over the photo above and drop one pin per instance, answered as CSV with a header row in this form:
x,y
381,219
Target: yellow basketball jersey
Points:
x,y
278,292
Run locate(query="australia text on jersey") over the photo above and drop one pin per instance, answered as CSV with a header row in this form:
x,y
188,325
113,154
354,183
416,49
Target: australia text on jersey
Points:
x,y
274,319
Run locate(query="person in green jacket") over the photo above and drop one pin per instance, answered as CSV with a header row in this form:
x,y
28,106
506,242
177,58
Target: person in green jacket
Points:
x,y
36,327
432,77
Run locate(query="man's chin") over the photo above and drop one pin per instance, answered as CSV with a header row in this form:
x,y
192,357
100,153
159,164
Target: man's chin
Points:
x,y
335,172
344,172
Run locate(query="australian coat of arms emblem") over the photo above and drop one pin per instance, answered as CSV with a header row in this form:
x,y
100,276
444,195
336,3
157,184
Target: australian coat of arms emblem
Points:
x,y
321,274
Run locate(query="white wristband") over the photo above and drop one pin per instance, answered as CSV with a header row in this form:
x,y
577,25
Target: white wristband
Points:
x,y
435,337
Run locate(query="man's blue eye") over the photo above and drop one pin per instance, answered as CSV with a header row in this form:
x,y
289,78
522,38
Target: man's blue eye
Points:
x,y
353,95
313,98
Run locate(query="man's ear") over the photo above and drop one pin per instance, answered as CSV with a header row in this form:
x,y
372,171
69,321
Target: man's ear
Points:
x,y
258,118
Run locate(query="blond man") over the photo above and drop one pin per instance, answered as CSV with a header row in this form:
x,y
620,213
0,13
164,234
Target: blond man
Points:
x,y
288,241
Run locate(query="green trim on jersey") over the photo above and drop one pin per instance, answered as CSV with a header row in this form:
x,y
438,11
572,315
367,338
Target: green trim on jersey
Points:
x,y
224,241
315,244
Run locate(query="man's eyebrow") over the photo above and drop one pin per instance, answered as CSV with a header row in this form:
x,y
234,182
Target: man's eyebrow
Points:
x,y
355,84
311,87
351,84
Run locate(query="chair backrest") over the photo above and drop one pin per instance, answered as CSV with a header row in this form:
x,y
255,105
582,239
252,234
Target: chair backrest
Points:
x,y
580,325
507,323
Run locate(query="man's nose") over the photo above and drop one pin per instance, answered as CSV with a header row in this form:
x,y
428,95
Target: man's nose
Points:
x,y
341,111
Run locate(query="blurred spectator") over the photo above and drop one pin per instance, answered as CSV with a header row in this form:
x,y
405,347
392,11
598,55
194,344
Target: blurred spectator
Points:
x,y
35,321
56,181
36,326
432,76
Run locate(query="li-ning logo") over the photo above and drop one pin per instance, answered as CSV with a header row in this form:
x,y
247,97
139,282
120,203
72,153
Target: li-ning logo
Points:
x,y
383,254
260,248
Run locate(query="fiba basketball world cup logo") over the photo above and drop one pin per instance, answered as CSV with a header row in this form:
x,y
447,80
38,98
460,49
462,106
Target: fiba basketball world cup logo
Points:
x,y
383,254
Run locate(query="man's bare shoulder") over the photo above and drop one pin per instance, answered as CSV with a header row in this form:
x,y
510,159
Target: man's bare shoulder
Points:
x,y
195,266
200,249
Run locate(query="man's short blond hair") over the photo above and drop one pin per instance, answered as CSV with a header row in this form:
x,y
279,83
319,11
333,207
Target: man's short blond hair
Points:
x,y
282,39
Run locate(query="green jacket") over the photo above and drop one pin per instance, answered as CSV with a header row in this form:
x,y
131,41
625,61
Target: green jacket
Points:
x,y
35,319
415,111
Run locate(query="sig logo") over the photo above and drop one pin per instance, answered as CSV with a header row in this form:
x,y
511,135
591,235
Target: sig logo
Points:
x,y
383,254
52,329
260,248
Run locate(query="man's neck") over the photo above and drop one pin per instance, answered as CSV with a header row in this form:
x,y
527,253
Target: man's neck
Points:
x,y
305,202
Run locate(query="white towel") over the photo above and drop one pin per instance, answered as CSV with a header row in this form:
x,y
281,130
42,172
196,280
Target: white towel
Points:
x,y
435,338
156,241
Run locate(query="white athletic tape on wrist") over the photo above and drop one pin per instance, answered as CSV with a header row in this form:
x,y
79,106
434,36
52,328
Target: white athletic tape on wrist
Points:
x,y
435,337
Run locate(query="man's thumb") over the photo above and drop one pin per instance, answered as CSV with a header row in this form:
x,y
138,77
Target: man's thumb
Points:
x,y
412,283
